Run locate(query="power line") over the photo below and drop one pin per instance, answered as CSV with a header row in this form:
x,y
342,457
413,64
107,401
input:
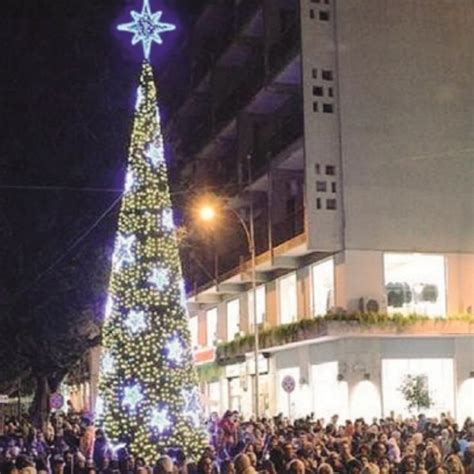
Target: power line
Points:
x,y
71,247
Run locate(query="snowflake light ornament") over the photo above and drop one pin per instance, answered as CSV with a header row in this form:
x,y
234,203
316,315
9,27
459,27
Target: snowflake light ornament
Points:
x,y
155,153
109,306
167,219
136,321
192,406
140,97
129,182
159,278
160,420
146,28
132,396
175,350
108,363
124,251
99,408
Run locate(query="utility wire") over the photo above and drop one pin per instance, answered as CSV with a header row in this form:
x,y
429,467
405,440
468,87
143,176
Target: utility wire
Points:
x,y
71,247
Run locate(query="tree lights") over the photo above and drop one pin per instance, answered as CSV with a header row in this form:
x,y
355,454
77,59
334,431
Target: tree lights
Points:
x,y
148,391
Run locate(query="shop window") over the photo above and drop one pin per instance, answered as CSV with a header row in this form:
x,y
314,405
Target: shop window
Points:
x,y
322,274
438,378
415,284
261,305
193,327
211,327
287,299
233,319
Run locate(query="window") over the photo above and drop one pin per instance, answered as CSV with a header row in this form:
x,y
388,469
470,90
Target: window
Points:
x,y
315,107
321,186
330,170
326,75
334,187
211,327
317,91
233,319
287,298
436,374
317,168
415,283
261,305
328,108
315,73
331,204
324,15
311,14
330,92
318,203
323,287
314,1
193,328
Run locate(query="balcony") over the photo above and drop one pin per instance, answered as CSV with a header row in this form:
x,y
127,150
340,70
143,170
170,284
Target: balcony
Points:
x,y
244,13
288,131
281,52
292,226
334,326
239,97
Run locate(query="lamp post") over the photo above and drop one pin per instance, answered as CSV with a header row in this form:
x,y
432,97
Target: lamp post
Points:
x,y
208,213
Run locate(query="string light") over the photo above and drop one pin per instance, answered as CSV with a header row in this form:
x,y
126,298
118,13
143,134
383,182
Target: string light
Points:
x,y
147,330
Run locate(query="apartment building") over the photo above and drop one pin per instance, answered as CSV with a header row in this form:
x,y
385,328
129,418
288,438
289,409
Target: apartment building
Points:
x,y
348,126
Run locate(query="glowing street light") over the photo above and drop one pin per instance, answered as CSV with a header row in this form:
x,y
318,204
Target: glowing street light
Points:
x,y
207,213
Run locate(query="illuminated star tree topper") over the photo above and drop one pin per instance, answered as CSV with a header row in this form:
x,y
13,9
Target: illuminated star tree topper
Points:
x,y
146,27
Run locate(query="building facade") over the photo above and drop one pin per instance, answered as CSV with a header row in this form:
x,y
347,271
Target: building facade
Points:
x,y
347,126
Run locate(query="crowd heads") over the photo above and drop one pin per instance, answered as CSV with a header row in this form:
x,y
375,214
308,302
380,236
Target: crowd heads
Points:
x,y
70,444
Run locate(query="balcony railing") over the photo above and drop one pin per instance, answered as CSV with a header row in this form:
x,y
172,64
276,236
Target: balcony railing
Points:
x,y
293,225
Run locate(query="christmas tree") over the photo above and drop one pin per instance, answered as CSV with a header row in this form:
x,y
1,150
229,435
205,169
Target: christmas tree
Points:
x,y
148,396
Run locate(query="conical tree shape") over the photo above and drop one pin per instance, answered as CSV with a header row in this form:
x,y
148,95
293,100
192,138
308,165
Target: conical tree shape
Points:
x,y
148,395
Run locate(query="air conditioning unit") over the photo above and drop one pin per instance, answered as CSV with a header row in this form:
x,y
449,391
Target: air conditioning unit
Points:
x,y
372,304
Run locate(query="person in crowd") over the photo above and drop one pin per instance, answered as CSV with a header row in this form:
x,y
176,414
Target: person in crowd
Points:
x,y
71,444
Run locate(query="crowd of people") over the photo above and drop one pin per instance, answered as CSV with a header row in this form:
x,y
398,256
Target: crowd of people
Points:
x,y
70,444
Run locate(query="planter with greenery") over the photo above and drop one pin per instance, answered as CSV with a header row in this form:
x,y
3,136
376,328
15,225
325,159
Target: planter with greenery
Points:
x,y
310,328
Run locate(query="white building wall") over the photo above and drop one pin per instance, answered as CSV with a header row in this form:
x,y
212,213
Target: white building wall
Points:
x,y
406,104
321,141
360,386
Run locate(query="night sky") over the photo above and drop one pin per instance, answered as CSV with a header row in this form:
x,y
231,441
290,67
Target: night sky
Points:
x,y
66,99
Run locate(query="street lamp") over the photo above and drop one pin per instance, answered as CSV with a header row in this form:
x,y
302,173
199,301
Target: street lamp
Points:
x,y
208,213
